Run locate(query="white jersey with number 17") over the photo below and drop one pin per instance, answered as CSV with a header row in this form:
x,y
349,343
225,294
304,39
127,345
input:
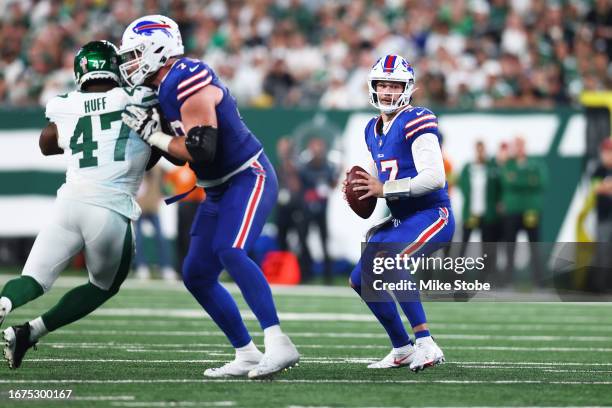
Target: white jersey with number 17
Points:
x,y
106,160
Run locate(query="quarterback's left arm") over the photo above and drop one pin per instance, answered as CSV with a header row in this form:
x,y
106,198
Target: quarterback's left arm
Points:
x,y
429,166
48,141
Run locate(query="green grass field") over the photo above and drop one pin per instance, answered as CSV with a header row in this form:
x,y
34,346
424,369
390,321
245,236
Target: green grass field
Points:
x,y
149,346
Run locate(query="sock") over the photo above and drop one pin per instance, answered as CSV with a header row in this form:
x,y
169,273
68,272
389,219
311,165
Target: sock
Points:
x,y
5,306
273,331
21,290
74,305
37,329
245,350
421,334
387,315
252,283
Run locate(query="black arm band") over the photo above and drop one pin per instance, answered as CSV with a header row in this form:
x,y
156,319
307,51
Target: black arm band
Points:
x,y
201,143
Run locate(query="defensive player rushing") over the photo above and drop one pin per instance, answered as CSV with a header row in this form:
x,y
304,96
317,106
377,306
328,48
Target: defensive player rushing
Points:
x,y
106,162
241,187
404,143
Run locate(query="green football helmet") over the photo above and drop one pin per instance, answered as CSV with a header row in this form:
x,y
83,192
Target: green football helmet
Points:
x,y
96,60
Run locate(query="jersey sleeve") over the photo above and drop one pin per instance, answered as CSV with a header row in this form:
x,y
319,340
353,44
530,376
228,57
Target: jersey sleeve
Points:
x,y
141,95
193,76
369,129
420,122
53,108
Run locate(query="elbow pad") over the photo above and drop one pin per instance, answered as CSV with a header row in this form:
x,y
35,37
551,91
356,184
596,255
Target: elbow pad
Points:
x,y
201,143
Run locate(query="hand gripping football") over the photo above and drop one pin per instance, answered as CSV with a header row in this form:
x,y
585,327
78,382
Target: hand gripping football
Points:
x,y
363,208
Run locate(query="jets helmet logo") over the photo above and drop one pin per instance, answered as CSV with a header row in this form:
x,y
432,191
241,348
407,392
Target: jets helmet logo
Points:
x,y
83,64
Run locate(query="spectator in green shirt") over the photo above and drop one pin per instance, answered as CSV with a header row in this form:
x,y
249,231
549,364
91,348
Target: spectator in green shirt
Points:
x,y
523,180
480,186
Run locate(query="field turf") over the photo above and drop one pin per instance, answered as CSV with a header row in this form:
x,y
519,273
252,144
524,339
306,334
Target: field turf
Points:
x,y
149,346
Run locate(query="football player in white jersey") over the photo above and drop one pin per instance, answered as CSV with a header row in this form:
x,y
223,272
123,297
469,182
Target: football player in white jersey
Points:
x,y
94,207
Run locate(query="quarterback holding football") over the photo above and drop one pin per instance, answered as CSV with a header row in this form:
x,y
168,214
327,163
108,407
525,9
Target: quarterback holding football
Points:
x,y
405,146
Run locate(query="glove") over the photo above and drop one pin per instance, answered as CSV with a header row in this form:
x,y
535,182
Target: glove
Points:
x,y
143,120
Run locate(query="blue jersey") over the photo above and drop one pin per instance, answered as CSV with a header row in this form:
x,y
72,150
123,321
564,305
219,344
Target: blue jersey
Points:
x,y
392,153
236,146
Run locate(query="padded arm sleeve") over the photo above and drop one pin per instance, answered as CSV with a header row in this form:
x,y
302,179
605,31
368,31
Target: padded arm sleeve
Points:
x,y
201,143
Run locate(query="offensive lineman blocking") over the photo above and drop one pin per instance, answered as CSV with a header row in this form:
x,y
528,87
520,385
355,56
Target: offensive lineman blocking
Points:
x,y
94,208
240,183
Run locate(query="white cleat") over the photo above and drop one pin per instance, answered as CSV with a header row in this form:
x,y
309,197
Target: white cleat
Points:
x,y
236,368
280,354
395,359
427,354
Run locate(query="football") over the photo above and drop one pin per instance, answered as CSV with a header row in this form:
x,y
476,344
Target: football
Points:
x,y
363,208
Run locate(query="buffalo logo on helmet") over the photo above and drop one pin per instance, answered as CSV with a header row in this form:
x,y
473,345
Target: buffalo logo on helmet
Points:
x,y
148,28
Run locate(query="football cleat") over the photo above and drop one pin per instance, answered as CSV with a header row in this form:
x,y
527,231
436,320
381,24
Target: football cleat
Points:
x,y
237,367
426,354
16,344
395,359
280,354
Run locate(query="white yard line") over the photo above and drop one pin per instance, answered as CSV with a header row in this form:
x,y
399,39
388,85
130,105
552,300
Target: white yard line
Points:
x,y
416,406
168,347
301,381
329,360
340,317
361,335
175,404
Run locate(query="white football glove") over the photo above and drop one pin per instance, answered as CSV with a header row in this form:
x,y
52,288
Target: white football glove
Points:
x,y
143,120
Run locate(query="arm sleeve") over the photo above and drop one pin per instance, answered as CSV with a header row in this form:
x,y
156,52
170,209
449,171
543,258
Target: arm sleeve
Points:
x,y
430,170
51,110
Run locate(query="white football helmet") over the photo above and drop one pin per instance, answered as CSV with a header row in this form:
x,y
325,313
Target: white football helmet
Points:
x,y
391,68
146,46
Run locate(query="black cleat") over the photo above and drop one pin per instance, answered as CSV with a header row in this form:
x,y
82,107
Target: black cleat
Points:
x,y
16,344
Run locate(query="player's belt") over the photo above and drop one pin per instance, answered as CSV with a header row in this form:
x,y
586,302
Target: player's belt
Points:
x,y
179,197
219,181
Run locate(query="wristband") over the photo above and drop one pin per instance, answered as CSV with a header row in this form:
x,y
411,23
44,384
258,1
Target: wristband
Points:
x,y
160,140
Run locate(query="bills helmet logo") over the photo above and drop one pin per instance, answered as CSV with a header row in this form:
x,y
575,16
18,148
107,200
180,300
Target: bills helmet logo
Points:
x,y
148,27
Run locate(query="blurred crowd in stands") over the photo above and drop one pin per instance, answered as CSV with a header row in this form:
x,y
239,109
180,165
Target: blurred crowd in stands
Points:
x,y
467,53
